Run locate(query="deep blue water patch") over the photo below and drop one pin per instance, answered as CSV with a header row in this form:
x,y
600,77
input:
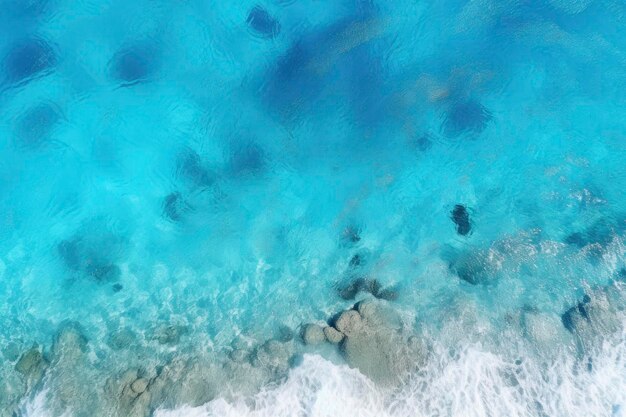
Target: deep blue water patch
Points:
x,y
35,127
465,116
92,252
191,168
461,218
28,58
20,9
135,63
337,56
262,22
423,143
174,206
247,158
600,233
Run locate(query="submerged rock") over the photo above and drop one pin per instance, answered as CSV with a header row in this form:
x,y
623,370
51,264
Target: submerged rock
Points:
x,y
93,252
465,116
272,355
368,285
460,217
598,313
169,334
423,143
262,22
352,234
174,206
247,159
313,334
192,169
27,59
574,316
70,341
379,314
544,330
239,355
478,266
356,260
596,238
135,63
285,334
388,294
103,272
121,339
32,365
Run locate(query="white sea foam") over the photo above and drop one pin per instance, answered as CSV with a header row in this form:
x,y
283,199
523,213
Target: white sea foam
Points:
x,y
471,383
37,407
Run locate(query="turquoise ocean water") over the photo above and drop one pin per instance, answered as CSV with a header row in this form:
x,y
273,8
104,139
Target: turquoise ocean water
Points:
x,y
184,185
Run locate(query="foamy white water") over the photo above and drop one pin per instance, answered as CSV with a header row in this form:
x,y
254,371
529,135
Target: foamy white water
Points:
x,y
474,384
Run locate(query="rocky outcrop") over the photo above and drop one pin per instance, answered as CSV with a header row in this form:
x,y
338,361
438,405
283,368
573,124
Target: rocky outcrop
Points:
x,y
130,394
370,338
70,367
32,366
273,355
597,313
374,342
190,381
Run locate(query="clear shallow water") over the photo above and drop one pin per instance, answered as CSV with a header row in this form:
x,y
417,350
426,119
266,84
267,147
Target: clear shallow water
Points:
x,y
201,175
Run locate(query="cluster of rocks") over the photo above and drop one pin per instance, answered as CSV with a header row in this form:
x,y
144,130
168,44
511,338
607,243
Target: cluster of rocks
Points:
x,y
137,392
370,338
599,312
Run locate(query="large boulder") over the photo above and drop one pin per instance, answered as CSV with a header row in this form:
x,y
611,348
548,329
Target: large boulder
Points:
x,y
273,355
169,334
333,335
192,382
313,334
